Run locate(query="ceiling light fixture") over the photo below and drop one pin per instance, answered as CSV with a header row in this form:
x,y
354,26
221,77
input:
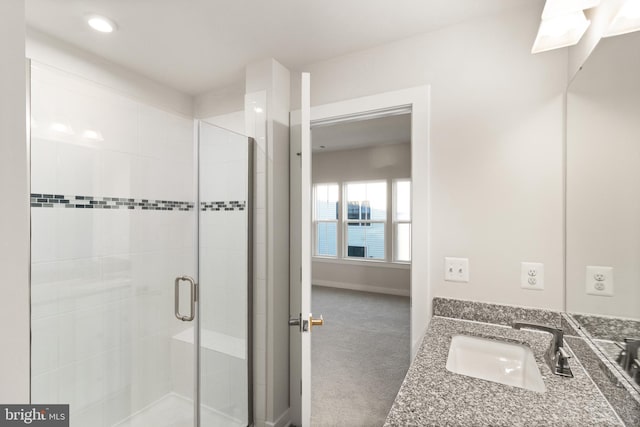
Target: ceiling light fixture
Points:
x,y
561,31
563,24
626,20
101,24
553,8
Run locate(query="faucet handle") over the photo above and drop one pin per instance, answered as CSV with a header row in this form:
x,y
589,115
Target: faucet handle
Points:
x,y
558,333
555,356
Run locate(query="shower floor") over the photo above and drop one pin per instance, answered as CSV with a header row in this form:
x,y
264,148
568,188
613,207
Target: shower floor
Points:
x,y
176,411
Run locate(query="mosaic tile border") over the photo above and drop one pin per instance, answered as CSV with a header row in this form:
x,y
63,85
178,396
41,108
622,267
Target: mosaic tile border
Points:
x,y
233,205
41,200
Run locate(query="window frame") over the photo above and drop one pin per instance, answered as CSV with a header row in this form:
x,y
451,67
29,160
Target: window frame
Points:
x,y
396,221
390,223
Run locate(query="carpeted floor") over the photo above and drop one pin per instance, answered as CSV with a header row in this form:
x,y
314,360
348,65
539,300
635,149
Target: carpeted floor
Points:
x,y
359,357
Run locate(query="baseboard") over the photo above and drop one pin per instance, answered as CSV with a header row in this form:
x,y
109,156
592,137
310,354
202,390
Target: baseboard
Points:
x,y
282,421
361,287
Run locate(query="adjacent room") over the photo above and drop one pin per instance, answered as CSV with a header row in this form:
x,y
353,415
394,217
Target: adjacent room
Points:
x,y
361,233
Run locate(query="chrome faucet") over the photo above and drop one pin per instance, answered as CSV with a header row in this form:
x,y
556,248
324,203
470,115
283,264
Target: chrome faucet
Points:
x,y
628,357
556,356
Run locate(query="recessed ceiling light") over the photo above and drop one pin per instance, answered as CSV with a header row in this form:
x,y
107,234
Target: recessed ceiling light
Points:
x,y
101,24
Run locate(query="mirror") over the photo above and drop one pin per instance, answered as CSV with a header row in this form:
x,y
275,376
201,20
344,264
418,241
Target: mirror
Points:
x,y
603,195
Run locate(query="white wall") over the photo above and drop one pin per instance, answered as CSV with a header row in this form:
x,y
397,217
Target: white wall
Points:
x,y
49,50
496,146
600,18
386,162
232,121
603,177
219,102
14,207
267,117
370,163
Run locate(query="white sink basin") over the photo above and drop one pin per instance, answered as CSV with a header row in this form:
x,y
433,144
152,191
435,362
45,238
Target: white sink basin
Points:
x,y
498,361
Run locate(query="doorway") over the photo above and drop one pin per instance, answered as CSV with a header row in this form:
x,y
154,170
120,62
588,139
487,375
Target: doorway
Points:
x,y
361,237
415,101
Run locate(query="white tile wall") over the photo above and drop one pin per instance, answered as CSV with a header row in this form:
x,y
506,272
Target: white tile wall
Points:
x,y
257,127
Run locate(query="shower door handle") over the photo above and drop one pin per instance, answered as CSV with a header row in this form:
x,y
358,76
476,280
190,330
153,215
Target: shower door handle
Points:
x,y
193,297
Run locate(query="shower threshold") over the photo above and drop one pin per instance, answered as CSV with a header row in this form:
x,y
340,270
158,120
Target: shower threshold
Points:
x,y
173,410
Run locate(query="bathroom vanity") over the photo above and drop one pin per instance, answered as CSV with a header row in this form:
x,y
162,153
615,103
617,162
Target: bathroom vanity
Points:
x,y
433,395
601,323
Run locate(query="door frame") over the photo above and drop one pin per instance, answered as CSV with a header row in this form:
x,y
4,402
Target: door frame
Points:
x,y
417,99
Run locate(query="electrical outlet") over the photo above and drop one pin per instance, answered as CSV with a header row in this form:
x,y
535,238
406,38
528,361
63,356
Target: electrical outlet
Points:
x,y
456,269
599,281
532,275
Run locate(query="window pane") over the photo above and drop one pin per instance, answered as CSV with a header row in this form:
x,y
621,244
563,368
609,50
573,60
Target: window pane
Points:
x,y
326,201
403,242
353,210
365,240
367,201
403,201
326,238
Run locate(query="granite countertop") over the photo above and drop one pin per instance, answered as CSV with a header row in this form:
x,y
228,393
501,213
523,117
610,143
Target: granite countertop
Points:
x,y
433,396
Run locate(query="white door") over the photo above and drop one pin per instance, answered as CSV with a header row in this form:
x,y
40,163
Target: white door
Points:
x,y
300,307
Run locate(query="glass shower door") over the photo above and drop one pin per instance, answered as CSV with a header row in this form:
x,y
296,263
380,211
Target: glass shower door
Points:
x,y
115,212
225,271
113,223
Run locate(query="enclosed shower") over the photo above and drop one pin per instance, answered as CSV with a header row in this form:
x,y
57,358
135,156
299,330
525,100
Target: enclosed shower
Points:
x,y
141,260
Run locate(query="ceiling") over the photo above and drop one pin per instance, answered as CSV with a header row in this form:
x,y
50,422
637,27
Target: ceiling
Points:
x,y
362,133
199,45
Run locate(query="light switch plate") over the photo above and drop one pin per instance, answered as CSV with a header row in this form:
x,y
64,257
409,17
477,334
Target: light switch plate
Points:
x,y
599,281
456,269
532,275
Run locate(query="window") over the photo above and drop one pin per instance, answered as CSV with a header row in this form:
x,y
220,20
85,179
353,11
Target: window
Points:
x,y
326,219
402,220
366,217
359,221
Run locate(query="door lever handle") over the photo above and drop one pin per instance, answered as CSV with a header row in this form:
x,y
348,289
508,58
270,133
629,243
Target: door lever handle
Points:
x,y
192,298
305,325
315,322
297,321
